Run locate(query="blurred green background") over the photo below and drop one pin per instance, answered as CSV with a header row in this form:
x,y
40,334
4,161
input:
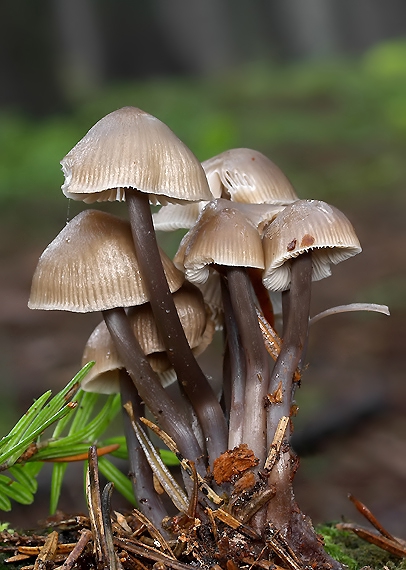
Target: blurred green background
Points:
x,y
344,119
335,122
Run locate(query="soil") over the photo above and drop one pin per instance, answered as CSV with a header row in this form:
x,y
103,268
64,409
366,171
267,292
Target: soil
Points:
x,y
351,427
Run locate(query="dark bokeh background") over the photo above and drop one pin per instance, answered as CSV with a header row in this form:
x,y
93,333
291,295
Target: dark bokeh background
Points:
x,y
320,87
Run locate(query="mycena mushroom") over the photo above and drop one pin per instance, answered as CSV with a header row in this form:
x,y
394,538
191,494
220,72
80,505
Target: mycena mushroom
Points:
x,y
242,175
131,155
92,266
109,375
199,329
224,240
300,245
248,176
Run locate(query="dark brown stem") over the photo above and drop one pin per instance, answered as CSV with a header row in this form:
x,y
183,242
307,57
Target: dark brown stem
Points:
x,y
149,386
256,361
236,358
149,501
190,375
296,322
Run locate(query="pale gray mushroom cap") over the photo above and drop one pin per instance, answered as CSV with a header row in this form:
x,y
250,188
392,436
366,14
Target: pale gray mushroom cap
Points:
x,y
132,149
92,266
198,327
245,175
306,225
221,236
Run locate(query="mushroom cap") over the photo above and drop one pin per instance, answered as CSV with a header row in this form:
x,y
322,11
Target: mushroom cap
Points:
x,y
303,226
104,376
92,266
177,217
131,149
192,313
245,175
221,236
199,331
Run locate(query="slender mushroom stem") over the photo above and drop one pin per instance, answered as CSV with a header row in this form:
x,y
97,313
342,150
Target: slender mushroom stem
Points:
x,y
149,386
190,375
256,360
296,323
237,371
141,474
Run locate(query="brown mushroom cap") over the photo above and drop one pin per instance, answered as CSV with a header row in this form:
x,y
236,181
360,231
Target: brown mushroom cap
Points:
x,y
104,376
199,330
91,266
132,149
221,236
245,175
306,225
192,313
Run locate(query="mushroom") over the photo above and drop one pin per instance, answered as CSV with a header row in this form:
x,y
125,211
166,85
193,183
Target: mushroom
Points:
x,y
131,155
129,148
222,236
241,175
225,240
107,373
246,175
306,225
299,246
247,178
91,265
199,330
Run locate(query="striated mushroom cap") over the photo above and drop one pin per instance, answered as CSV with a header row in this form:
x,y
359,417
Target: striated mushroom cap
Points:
x,y
104,376
245,175
92,266
221,236
192,313
129,148
177,217
198,327
306,225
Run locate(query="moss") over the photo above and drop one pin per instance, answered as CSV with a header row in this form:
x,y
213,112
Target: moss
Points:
x,y
351,550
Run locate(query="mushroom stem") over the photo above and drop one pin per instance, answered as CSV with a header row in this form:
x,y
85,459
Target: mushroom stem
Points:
x,y
149,386
190,375
141,474
256,361
237,371
296,323
262,295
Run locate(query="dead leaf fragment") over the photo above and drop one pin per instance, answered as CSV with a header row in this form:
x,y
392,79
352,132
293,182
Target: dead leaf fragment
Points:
x,y
233,462
277,396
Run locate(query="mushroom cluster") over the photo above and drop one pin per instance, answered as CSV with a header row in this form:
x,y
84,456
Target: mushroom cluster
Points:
x,y
250,242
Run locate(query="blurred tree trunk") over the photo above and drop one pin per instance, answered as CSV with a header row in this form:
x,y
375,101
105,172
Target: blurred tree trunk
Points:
x,y
80,55
305,29
199,33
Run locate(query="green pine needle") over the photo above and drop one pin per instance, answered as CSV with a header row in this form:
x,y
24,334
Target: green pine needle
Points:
x,y
77,424
58,473
121,481
19,448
